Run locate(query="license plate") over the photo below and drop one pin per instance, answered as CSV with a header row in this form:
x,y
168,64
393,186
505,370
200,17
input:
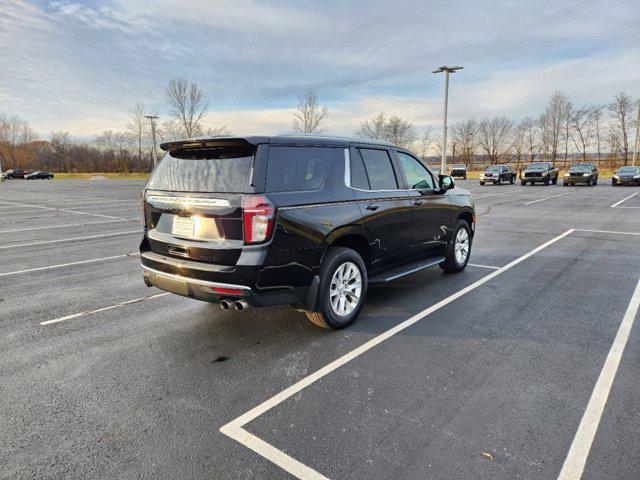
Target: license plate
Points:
x,y
183,227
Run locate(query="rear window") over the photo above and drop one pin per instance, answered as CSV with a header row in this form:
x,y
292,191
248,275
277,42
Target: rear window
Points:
x,y
296,168
223,169
379,169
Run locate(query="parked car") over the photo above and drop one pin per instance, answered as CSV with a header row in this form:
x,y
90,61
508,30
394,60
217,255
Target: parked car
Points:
x,y
626,176
14,173
38,175
458,170
581,173
498,174
543,172
306,221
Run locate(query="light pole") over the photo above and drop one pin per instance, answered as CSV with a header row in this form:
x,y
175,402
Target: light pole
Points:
x,y
635,148
153,119
447,71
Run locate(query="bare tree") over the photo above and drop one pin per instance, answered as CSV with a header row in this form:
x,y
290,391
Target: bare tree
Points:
x,y
583,129
16,137
465,135
138,127
187,103
532,138
309,116
519,141
567,127
597,121
424,144
400,132
494,137
222,131
392,129
622,116
376,128
552,121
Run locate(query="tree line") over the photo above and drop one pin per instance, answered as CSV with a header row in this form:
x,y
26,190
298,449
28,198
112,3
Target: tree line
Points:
x,y
562,132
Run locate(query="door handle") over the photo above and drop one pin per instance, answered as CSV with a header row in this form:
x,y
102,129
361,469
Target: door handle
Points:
x,y
372,206
416,203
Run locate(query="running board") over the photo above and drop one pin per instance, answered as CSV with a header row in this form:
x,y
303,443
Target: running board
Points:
x,y
404,270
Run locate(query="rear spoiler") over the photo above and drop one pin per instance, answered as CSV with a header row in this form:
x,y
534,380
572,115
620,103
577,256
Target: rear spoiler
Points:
x,y
213,142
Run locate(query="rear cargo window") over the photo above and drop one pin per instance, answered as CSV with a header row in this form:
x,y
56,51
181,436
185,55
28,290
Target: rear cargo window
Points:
x,y
223,169
296,168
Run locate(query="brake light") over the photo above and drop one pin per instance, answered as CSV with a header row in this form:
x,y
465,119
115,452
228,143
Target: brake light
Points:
x,y
257,218
227,291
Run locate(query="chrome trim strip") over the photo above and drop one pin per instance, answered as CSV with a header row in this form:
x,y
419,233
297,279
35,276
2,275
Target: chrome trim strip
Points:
x,y
195,281
187,201
347,168
175,262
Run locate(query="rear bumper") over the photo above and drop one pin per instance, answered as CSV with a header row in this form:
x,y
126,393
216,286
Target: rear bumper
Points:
x,y
199,289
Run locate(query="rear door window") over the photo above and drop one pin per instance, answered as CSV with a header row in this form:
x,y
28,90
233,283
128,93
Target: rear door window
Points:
x,y
296,168
220,170
359,177
379,169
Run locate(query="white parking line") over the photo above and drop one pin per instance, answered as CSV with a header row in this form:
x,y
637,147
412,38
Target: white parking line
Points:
x,y
42,207
234,428
573,466
548,198
482,266
606,231
46,227
511,192
60,240
624,200
107,205
103,309
60,265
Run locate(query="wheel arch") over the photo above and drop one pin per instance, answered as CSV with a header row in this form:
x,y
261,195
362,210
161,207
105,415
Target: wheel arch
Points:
x,y
353,237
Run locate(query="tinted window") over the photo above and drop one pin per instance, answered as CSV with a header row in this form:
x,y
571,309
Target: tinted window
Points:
x,y
296,168
203,170
379,169
417,176
358,173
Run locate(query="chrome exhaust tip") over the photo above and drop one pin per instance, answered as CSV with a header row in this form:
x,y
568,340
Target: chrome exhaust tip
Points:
x,y
225,304
240,305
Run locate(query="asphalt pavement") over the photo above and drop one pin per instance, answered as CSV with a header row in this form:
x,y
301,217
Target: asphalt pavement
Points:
x,y
525,365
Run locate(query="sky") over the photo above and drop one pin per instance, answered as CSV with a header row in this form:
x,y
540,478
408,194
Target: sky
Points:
x,y
81,66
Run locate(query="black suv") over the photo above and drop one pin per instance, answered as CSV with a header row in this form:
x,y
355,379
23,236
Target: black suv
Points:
x,y
301,220
581,173
498,174
543,172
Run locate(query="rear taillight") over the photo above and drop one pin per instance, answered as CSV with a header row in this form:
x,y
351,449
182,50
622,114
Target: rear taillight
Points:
x,y
257,218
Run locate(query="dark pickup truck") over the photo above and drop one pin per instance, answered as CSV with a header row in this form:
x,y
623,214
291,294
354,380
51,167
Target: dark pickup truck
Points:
x,y
543,172
306,221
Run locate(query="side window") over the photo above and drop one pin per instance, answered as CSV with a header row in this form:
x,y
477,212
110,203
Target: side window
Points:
x,y
379,169
417,176
296,168
359,177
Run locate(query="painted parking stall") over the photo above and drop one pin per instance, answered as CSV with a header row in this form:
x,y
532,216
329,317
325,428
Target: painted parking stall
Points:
x,y
490,372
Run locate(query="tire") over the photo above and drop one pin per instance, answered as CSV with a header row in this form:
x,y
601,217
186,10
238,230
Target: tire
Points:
x,y
499,182
522,182
346,259
513,180
546,182
481,183
565,184
452,263
555,181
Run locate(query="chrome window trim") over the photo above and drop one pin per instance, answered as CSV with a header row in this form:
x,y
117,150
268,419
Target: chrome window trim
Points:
x,y
347,176
195,281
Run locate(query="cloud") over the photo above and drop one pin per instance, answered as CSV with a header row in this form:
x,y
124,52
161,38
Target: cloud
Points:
x,y
80,65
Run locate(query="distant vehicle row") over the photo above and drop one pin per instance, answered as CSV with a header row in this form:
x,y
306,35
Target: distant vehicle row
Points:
x,y
545,172
17,173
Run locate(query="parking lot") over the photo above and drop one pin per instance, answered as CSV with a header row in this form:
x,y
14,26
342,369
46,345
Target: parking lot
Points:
x,y
488,373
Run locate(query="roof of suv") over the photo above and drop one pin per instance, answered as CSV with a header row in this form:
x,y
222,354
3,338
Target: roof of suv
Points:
x,y
322,140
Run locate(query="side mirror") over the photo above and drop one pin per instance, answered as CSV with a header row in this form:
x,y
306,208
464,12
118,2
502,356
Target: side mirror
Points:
x,y
446,182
